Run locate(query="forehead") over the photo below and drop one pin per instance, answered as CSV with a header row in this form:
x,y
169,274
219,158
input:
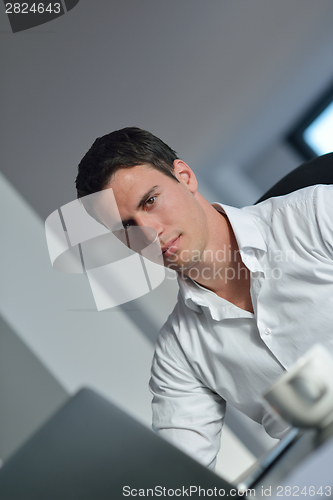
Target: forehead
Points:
x,y
135,180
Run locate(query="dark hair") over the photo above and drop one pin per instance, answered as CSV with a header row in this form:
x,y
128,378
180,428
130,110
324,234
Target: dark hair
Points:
x,y
123,148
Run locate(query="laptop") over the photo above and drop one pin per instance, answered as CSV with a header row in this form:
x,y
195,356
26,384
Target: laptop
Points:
x,y
92,450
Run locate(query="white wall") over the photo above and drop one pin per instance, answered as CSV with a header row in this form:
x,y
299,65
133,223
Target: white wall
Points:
x,y
29,394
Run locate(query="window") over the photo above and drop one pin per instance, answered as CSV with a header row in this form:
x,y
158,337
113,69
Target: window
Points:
x,y
313,136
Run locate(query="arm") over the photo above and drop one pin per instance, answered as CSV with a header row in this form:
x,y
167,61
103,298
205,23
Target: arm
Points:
x,y
185,412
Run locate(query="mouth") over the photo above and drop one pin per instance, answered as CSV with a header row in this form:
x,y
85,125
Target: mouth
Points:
x,y
171,247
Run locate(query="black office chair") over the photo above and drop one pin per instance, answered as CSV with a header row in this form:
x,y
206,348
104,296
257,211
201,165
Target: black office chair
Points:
x,y
316,171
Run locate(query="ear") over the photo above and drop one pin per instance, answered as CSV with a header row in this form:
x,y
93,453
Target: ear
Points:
x,y
185,175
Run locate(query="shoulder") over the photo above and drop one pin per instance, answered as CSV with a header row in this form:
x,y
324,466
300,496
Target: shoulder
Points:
x,y
307,205
173,340
308,198
302,216
168,336
171,369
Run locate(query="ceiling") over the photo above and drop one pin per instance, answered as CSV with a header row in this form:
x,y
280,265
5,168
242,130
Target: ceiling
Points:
x,y
221,81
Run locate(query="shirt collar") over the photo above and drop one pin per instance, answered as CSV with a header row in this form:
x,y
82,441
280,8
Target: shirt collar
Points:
x,y
246,231
248,236
196,297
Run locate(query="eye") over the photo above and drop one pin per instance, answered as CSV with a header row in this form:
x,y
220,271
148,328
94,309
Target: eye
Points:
x,y
150,201
127,225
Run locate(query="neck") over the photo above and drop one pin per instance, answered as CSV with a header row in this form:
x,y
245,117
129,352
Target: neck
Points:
x,y
221,268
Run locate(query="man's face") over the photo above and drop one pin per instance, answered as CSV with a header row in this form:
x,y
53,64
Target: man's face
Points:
x,y
147,197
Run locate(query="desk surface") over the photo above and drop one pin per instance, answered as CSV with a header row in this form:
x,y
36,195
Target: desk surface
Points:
x,y
301,447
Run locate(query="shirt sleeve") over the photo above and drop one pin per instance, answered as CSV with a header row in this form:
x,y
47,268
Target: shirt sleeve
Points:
x,y
323,206
185,412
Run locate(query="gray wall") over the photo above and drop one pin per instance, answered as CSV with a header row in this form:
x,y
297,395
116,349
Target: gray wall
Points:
x,y
29,394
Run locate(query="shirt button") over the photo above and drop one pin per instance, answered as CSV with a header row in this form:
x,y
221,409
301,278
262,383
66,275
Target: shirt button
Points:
x,y
268,331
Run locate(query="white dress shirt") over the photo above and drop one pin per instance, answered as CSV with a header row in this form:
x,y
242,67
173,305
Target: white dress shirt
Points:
x,y
211,352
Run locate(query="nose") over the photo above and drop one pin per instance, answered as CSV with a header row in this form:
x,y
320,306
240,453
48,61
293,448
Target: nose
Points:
x,y
148,220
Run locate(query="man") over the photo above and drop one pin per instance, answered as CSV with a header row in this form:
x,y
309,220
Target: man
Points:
x,y
256,285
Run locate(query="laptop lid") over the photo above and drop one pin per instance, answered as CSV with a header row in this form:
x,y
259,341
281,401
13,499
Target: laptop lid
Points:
x,y
90,449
